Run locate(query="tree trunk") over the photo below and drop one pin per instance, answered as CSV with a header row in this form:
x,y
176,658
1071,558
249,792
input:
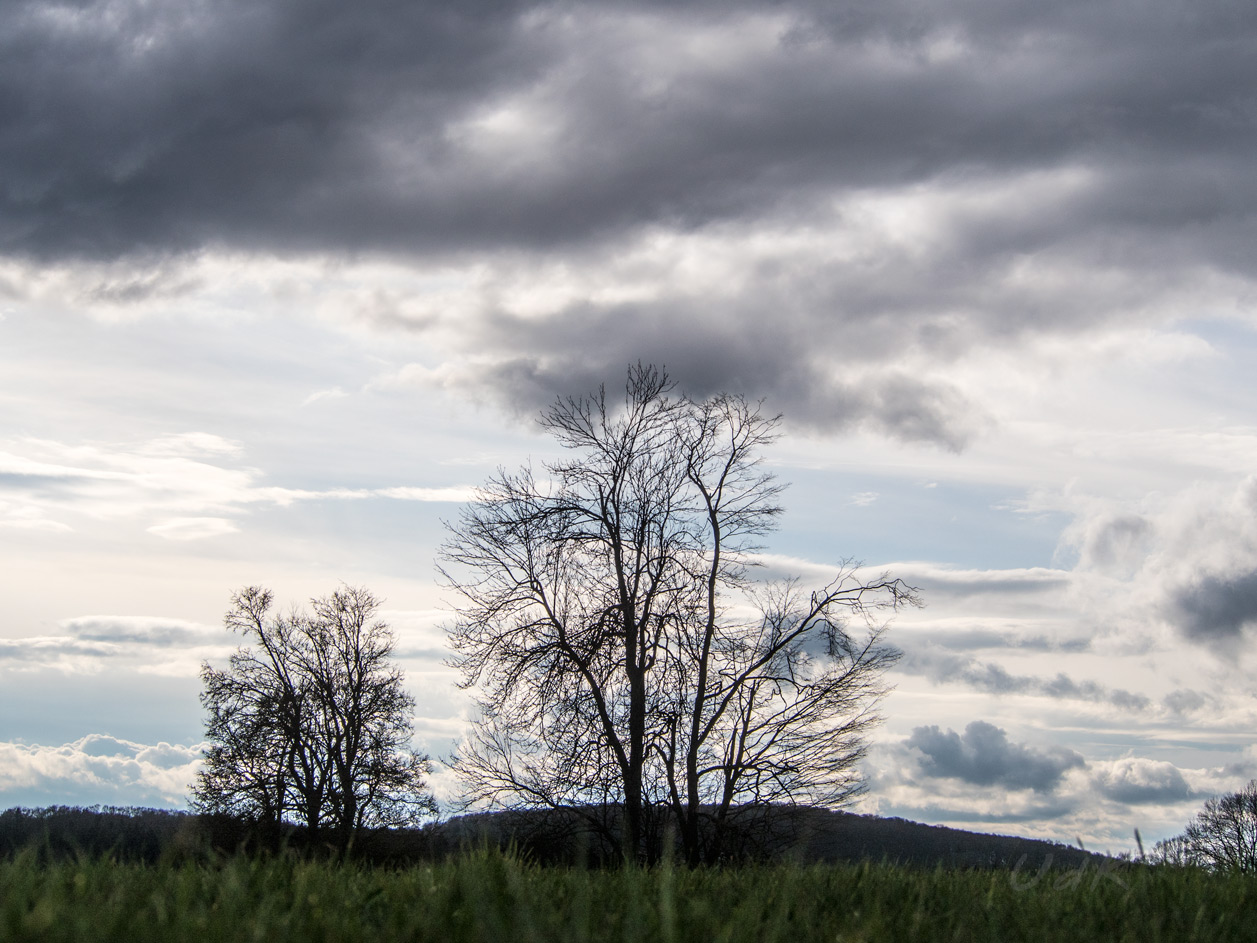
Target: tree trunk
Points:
x,y
636,761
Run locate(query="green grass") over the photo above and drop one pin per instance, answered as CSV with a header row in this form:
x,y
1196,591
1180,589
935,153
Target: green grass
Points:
x,y
493,897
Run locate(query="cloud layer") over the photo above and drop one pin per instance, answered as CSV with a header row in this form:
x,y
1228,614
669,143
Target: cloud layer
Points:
x,y
184,481
830,207
402,126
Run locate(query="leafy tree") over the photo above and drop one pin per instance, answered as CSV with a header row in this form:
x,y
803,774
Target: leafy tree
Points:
x,y
627,664
310,723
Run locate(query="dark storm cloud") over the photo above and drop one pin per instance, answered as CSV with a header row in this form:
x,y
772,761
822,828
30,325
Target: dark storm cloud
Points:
x,y
984,756
770,357
1216,609
132,127
139,131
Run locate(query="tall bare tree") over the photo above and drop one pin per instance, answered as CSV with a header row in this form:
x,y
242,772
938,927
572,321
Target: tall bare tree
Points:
x,y
311,722
623,655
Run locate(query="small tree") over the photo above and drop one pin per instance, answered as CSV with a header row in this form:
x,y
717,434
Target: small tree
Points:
x,y
1175,852
1224,833
625,658
311,723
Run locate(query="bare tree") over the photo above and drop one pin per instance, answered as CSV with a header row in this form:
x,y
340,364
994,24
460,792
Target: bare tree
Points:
x,y
1175,852
627,665
1223,835
311,723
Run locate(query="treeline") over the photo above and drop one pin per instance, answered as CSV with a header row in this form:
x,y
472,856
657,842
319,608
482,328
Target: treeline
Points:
x,y
799,835
149,836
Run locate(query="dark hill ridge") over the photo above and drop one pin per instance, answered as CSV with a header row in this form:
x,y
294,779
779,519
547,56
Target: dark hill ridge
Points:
x,y
803,835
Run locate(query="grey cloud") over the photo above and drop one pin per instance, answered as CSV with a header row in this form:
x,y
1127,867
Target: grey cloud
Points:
x,y
945,667
42,649
94,637
903,408
1143,781
979,639
1115,544
1183,701
1216,609
984,756
141,127
140,630
143,131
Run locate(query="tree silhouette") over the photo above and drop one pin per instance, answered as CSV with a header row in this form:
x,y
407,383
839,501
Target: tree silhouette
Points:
x,y
1222,836
311,723
627,664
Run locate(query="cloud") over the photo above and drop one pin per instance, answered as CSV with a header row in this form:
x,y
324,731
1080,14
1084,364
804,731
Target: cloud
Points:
x,y
186,481
191,443
1217,608
943,666
832,209
1171,567
935,579
97,769
1182,701
141,630
1115,543
193,528
515,122
953,781
92,644
1141,780
24,516
321,395
984,756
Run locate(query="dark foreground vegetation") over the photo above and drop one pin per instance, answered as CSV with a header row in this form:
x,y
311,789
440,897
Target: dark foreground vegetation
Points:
x,y
492,896
137,875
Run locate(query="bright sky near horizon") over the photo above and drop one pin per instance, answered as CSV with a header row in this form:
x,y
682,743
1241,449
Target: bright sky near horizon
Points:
x,y
281,281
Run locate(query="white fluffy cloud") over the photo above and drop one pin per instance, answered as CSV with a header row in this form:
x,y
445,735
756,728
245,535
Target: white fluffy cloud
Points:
x,y
98,769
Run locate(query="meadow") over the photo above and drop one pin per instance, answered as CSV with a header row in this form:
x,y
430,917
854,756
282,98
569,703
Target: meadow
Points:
x,y
495,896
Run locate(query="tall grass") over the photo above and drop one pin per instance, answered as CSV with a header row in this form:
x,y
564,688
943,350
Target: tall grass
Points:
x,y
487,896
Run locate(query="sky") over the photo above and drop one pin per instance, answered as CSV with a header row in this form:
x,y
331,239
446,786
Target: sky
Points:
x,y
282,281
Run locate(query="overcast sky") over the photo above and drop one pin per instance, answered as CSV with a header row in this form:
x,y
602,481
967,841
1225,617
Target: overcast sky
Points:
x,y
282,280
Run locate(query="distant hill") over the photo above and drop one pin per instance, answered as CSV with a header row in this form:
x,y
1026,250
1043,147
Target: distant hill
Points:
x,y
803,835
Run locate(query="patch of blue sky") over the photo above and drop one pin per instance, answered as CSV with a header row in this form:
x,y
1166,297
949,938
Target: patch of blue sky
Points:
x,y
833,515
51,707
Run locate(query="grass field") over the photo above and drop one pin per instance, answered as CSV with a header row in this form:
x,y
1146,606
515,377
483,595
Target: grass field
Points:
x,y
493,897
